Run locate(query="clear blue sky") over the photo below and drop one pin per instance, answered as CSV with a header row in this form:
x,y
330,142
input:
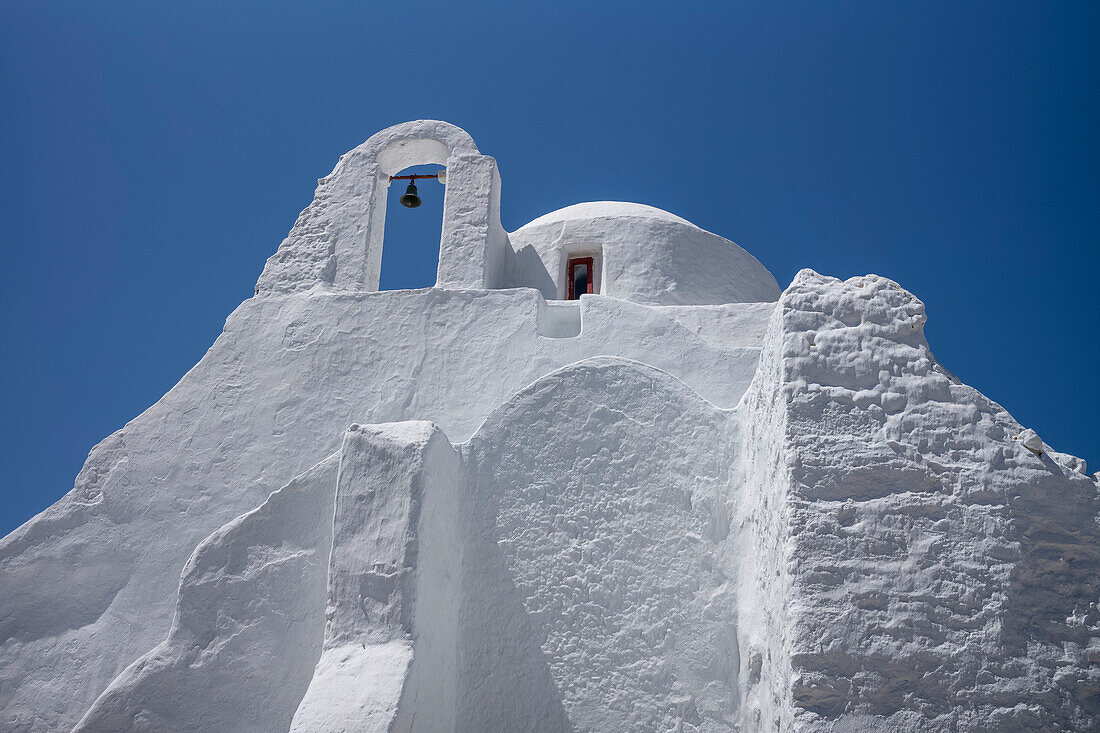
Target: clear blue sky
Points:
x,y
155,154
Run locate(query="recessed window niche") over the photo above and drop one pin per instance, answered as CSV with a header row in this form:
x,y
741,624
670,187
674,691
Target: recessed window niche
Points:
x,y
582,274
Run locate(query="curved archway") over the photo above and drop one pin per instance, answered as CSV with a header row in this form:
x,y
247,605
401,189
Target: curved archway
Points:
x,y
384,154
338,239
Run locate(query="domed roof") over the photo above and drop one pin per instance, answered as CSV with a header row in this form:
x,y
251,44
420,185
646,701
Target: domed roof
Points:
x,y
605,210
639,253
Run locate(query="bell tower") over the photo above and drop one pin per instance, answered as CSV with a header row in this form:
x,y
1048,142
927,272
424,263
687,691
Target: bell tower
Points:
x,y
337,240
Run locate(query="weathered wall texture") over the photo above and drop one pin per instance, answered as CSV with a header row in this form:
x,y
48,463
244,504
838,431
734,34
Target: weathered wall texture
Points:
x,y
930,571
601,499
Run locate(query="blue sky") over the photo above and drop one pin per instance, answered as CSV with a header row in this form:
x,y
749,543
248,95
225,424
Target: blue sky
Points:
x,y
154,155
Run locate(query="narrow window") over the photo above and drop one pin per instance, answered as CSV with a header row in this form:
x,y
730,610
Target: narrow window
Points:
x,y
580,277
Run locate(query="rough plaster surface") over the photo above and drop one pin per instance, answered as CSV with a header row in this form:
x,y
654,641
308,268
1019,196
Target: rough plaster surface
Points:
x,y
674,509
244,640
386,475
604,490
925,569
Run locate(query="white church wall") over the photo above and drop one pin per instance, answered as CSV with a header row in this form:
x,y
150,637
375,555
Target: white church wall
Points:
x,y
916,567
487,592
248,624
270,399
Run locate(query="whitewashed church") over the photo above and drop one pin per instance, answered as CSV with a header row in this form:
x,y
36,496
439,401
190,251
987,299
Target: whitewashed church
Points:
x,y
606,476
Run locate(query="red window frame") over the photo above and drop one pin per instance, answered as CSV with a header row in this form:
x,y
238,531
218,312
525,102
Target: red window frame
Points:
x,y
573,262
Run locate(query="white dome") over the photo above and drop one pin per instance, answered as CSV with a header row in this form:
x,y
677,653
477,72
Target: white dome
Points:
x,y
640,253
605,210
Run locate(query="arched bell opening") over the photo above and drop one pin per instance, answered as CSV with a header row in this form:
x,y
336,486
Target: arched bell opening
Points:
x,y
413,227
337,241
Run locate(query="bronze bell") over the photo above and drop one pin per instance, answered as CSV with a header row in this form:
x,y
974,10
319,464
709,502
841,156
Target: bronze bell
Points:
x,y
410,198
